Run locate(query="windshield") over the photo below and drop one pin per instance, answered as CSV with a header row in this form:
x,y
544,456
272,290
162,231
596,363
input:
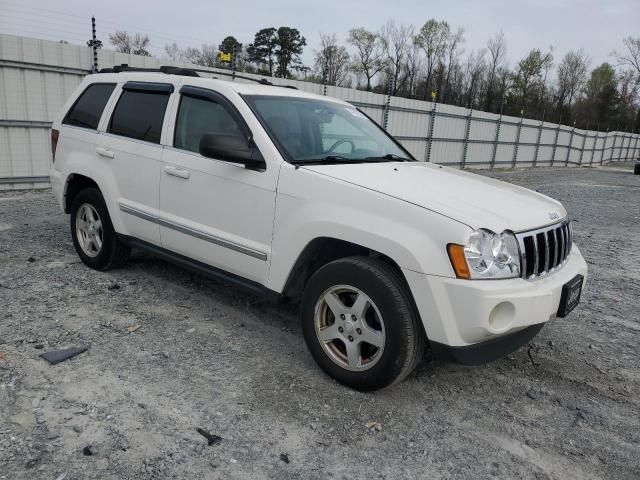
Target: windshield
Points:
x,y
317,131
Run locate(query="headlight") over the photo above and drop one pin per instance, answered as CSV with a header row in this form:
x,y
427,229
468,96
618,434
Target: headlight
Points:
x,y
486,255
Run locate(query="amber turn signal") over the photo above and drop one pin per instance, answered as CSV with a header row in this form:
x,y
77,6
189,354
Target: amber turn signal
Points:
x,y
458,260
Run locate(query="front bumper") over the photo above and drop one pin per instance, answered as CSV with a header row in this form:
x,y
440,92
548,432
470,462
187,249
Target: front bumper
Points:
x,y
487,351
461,313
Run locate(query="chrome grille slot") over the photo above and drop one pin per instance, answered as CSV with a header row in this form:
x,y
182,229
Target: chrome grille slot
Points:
x,y
544,250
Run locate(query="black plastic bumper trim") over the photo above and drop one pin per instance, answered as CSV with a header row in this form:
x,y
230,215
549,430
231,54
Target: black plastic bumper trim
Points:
x,y
487,351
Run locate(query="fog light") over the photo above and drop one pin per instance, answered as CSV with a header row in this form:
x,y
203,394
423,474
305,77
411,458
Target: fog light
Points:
x,y
501,317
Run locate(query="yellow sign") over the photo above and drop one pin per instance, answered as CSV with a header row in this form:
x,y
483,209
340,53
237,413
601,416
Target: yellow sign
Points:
x,y
225,57
433,94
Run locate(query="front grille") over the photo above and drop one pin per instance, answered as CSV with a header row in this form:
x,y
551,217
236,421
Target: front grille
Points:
x,y
544,250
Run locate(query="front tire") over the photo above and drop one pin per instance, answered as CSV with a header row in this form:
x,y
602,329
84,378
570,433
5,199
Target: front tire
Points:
x,y
94,237
360,323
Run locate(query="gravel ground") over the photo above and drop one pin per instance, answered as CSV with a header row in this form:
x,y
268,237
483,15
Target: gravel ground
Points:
x,y
170,352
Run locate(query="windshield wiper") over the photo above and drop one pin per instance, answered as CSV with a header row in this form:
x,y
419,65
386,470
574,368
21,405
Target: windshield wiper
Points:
x,y
340,159
327,159
389,157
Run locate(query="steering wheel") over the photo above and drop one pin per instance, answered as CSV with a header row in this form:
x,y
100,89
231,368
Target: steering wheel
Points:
x,y
340,142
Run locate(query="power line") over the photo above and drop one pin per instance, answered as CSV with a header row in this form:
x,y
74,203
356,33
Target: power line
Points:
x,y
42,29
57,15
30,17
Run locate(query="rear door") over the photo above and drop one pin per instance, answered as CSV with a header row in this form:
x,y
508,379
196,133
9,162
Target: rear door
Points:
x,y
214,211
130,151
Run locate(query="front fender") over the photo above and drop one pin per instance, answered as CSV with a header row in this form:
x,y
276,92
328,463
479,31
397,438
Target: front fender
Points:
x,y
310,206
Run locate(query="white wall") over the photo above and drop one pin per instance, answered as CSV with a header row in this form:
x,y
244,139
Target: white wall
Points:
x,y
37,76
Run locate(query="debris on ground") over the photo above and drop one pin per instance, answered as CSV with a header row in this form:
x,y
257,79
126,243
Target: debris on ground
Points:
x,y
211,438
57,356
89,450
133,328
371,425
113,286
284,457
533,362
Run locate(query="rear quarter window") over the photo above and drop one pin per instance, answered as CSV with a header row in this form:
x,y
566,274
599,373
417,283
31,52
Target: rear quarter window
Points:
x,y
88,108
139,115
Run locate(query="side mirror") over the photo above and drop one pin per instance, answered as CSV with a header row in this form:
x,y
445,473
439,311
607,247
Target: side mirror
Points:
x,y
231,148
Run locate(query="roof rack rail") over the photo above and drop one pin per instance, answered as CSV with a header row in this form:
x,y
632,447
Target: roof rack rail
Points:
x,y
188,72
234,75
170,70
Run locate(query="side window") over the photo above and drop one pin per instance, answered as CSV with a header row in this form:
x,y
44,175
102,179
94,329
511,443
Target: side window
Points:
x,y
139,115
197,116
87,110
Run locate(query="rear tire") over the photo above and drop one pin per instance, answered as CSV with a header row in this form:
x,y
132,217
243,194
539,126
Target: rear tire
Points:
x,y
636,169
360,323
94,237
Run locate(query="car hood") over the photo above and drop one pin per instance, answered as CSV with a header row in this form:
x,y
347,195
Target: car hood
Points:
x,y
475,200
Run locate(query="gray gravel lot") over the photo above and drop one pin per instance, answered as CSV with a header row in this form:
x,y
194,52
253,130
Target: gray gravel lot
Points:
x,y
171,352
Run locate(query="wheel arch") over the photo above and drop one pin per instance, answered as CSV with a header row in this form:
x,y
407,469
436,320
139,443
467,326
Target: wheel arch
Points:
x,y
74,184
322,250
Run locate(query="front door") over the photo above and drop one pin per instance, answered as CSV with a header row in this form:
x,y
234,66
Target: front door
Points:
x,y
214,211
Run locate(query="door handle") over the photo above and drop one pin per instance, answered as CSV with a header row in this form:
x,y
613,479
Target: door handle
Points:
x,y
103,152
177,172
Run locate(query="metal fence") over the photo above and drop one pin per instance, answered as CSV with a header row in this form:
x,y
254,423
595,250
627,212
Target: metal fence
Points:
x,y
37,76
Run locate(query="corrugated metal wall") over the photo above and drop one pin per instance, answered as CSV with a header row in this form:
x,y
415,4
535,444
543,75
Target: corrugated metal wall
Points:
x,y
37,76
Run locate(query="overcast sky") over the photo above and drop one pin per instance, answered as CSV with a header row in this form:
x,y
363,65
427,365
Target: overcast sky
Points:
x,y
596,26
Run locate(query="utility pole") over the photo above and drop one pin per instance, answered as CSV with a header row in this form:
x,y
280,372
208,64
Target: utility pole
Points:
x,y
385,120
94,45
324,81
233,61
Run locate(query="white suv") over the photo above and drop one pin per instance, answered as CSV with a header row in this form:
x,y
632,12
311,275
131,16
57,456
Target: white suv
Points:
x,y
304,198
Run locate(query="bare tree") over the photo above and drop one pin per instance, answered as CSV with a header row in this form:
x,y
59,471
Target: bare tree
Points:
x,y
413,66
137,44
504,82
433,38
332,61
497,47
369,58
572,74
631,57
474,71
209,55
191,55
395,40
173,52
206,56
453,44
628,86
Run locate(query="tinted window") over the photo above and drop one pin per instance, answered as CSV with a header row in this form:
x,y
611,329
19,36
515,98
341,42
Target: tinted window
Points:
x,y
196,117
139,115
87,110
